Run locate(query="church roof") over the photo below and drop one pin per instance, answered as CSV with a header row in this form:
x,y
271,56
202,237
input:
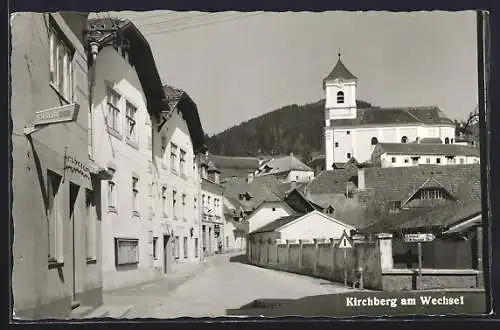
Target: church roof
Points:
x,y
390,116
340,71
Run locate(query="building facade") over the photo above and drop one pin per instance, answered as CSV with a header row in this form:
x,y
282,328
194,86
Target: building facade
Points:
x,y
414,154
212,209
176,157
353,133
57,262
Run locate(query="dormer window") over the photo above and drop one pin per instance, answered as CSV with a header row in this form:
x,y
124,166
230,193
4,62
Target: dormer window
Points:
x,y
330,210
431,193
340,97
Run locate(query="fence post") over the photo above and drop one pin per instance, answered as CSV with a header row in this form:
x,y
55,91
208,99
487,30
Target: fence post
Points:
x,y
289,252
332,251
300,255
316,258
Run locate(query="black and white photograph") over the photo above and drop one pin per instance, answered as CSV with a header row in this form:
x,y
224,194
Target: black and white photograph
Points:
x,y
192,164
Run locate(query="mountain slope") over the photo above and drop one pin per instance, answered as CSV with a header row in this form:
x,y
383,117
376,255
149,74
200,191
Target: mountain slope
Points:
x,y
292,128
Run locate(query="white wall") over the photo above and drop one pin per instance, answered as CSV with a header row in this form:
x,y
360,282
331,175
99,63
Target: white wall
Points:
x,y
109,150
386,160
344,110
358,141
176,131
265,214
300,176
314,225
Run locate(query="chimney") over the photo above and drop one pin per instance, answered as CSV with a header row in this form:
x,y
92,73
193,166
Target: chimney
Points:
x,y
361,179
249,177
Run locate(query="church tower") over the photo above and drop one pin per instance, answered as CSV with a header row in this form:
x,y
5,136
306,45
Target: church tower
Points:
x,y
340,94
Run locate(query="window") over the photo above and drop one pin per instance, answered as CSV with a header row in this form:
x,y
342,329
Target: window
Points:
x,y
227,242
407,160
55,252
126,251
348,155
336,144
274,209
393,160
184,206
195,210
428,160
163,145
90,239
394,206
61,67
452,141
196,247
113,116
203,200
155,241
135,195
111,191
330,210
431,193
174,193
462,161
340,97
131,124
185,247
176,248
182,162
374,141
414,160
348,132
438,160
173,156
404,139
164,200
446,141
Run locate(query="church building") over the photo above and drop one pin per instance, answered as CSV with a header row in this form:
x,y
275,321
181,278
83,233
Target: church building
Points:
x,y
353,133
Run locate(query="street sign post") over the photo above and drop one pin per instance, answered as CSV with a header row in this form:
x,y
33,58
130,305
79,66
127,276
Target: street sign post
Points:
x,y
55,115
419,239
345,243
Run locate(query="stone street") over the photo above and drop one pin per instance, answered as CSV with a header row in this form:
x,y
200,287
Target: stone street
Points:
x,y
218,285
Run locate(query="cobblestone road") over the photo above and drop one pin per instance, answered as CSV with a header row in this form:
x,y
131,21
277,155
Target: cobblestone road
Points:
x,y
219,286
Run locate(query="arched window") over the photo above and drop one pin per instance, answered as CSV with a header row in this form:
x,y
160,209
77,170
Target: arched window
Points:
x,y
404,139
451,141
374,141
446,141
340,97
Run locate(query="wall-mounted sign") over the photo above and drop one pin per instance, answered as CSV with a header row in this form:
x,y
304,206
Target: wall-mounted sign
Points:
x,y
416,238
56,115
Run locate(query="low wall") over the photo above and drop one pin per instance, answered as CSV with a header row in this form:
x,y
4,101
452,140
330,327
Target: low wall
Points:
x,y
372,258
320,259
408,279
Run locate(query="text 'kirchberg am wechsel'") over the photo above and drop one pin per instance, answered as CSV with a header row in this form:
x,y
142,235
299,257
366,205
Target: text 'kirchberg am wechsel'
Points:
x,y
404,301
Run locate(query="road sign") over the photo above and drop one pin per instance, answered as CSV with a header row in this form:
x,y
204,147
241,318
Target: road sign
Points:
x,y
419,238
56,115
345,242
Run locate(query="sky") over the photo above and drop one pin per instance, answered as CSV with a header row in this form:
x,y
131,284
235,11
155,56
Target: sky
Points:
x,y
237,66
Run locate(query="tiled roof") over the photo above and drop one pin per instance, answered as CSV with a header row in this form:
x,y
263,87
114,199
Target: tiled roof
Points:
x,y
399,116
429,140
189,109
258,191
212,167
173,96
428,149
399,183
272,226
283,165
428,218
340,71
328,182
230,162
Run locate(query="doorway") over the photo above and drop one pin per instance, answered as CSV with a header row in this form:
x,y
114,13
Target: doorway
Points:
x,y
73,195
166,254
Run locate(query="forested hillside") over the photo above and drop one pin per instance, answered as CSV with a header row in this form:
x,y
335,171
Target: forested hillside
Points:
x,y
293,128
